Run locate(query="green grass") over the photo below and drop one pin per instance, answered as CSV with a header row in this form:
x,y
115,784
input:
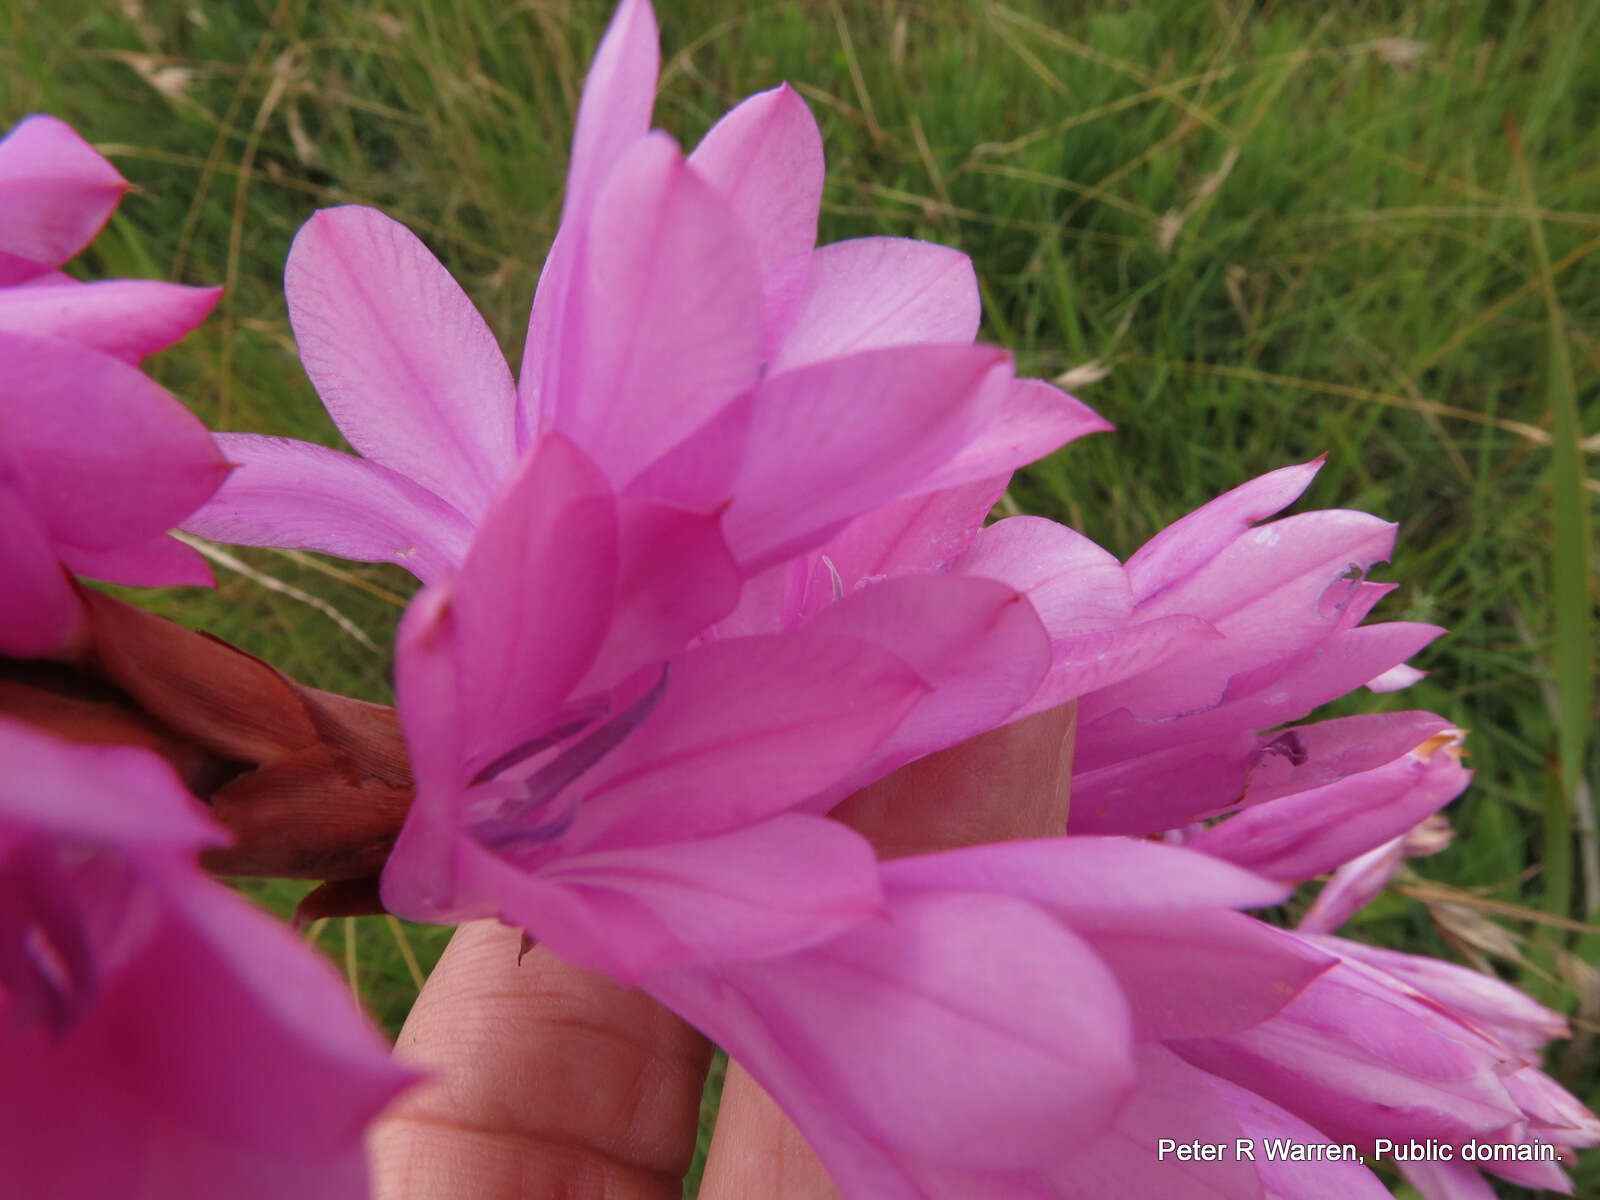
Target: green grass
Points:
x,y
1285,228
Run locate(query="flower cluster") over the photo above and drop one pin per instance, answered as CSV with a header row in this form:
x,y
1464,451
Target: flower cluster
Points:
x,y
711,618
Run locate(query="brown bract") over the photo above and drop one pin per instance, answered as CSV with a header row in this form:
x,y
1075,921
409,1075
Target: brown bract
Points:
x,y
311,785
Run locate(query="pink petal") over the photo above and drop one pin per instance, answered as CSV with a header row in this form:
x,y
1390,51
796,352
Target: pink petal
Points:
x,y
1198,974
1188,544
1266,1125
978,645
1510,1014
941,1037
108,456
1446,1180
159,562
675,578
295,494
618,94
1090,875
1302,835
550,544
818,456
422,879
1074,585
765,159
881,292
1122,784
38,609
1353,886
745,728
766,889
1088,662
406,366
1036,419
1360,1061
1137,1158
56,191
920,533
667,305
1274,593
1396,678
126,318
60,790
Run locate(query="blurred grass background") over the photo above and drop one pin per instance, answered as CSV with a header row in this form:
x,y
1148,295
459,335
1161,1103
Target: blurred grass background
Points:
x,y
1252,233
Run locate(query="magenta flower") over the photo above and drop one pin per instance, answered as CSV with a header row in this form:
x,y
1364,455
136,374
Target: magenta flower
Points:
x,y
96,461
685,337
160,1036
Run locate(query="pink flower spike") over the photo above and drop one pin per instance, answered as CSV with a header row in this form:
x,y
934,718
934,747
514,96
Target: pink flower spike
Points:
x,y
56,191
405,364
193,1042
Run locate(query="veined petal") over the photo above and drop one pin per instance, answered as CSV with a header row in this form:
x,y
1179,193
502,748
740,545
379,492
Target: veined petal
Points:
x,y
881,291
307,497
667,301
818,455
746,728
405,364
941,1037
126,318
107,456
765,159
56,191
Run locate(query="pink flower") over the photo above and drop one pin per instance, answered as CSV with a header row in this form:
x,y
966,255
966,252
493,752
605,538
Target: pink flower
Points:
x,y
1410,1050
999,1033
626,799
96,461
686,337
160,1036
